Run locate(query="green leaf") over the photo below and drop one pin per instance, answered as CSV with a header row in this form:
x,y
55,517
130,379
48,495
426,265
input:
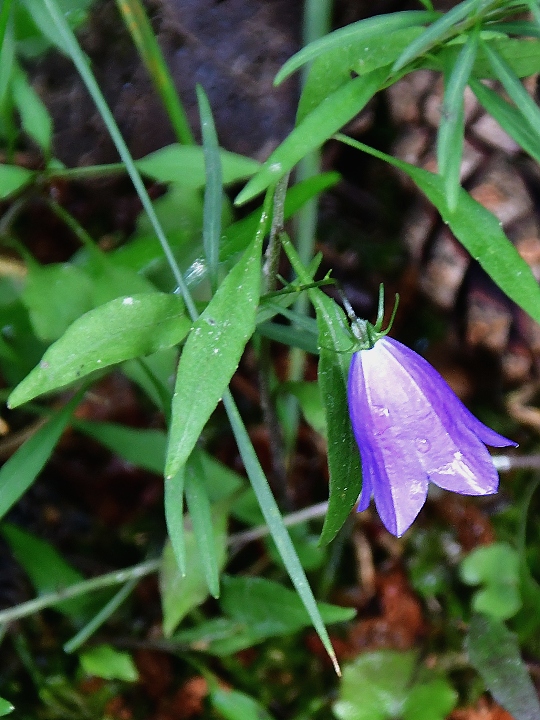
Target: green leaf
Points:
x,y
22,468
200,514
333,69
35,118
119,330
274,520
270,608
181,593
55,296
235,705
494,653
5,707
379,686
13,179
333,112
140,447
174,516
508,117
105,662
343,457
452,125
356,33
214,348
479,232
309,397
436,33
184,164
213,192
496,567
374,686
514,88
432,700
45,567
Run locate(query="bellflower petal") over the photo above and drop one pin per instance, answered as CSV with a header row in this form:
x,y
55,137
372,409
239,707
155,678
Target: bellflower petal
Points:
x,y
411,429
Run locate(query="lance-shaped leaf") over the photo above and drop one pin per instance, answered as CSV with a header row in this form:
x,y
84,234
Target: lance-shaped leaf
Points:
x,y
343,457
334,112
212,353
122,329
479,232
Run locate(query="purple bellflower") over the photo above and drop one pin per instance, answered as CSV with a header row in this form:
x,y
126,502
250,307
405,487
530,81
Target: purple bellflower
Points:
x,y
412,429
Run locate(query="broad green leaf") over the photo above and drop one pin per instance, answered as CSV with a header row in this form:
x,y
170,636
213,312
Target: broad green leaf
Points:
x,y
124,328
496,568
235,705
141,447
55,296
479,232
508,117
106,662
35,118
270,608
333,69
110,281
181,593
13,179
334,112
335,343
359,32
386,685
22,468
212,353
452,125
184,164
374,685
200,513
431,700
5,707
495,655
45,567
438,31
213,191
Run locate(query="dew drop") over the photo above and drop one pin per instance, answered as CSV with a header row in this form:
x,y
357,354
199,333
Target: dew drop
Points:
x,y
275,167
127,301
422,445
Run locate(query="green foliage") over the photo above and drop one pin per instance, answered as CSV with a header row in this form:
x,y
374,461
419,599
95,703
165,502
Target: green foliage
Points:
x,y
105,662
386,685
494,653
496,568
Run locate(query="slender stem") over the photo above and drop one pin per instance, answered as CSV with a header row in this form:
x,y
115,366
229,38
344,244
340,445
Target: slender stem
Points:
x,y
102,616
113,578
271,420
76,228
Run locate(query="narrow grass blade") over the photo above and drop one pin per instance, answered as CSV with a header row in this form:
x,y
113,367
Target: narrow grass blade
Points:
x,y
200,514
479,232
144,38
358,32
508,117
514,88
213,192
274,520
452,125
440,30
19,472
174,516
